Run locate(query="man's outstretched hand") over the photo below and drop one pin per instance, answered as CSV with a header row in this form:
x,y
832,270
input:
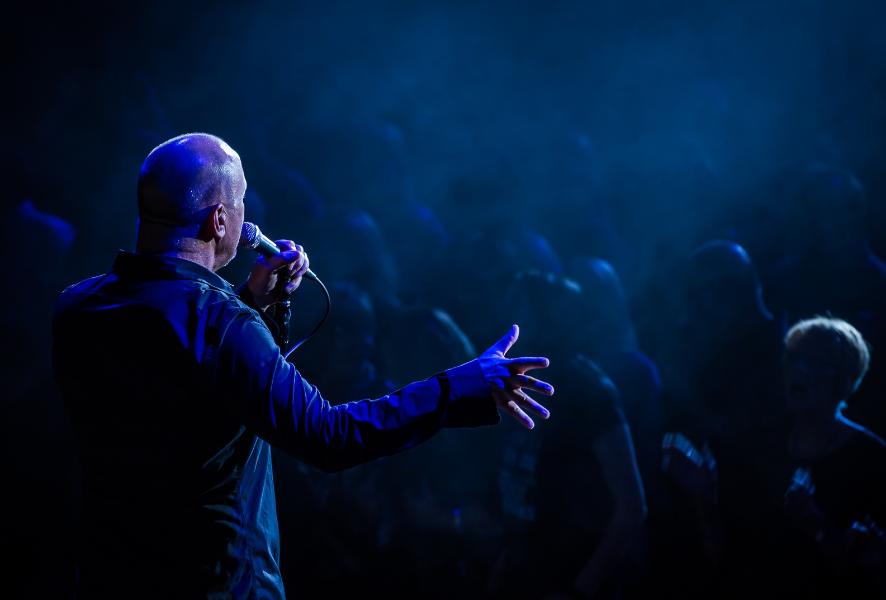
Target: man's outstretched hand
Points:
x,y
508,379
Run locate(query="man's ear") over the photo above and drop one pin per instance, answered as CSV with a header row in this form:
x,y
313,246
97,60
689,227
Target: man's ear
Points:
x,y
214,226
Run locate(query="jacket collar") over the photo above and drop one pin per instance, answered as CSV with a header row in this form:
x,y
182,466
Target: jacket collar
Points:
x,y
132,265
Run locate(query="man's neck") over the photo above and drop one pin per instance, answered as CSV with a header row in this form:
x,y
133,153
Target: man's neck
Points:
x,y
203,259
196,252
160,241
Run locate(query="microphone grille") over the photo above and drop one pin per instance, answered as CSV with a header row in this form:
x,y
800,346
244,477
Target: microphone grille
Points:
x,y
250,235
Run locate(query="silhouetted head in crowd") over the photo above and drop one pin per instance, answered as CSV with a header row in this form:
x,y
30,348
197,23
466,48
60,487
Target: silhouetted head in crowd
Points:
x,y
506,249
825,259
296,205
353,326
354,162
545,255
190,200
724,357
436,339
722,290
422,245
45,239
342,353
608,319
550,310
825,360
39,245
502,250
356,250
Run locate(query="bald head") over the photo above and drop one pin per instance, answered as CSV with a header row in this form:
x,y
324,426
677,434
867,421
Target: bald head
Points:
x,y
185,175
189,188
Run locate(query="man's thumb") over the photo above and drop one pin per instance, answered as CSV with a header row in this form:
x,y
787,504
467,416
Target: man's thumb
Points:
x,y
504,344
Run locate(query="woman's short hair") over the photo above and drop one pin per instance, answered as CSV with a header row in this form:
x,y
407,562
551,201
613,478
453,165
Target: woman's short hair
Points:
x,y
838,341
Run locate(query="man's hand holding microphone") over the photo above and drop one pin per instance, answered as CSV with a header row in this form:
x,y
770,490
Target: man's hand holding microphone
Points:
x,y
274,278
279,268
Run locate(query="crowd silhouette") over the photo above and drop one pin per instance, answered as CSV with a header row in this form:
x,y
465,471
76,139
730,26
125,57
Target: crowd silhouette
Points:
x,y
717,428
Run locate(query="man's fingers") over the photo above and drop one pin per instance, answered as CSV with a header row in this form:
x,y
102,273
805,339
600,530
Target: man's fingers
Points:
x,y
285,245
525,381
504,344
289,255
517,412
527,363
290,259
530,403
510,406
306,264
292,285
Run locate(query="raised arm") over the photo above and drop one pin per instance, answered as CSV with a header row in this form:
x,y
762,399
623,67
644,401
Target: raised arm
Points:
x,y
271,398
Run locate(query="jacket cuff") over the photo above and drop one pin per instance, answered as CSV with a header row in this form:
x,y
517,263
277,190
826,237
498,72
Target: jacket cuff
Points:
x,y
267,317
468,397
247,298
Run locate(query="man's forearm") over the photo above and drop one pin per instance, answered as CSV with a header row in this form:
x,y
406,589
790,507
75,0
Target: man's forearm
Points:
x,y
337,437
272,398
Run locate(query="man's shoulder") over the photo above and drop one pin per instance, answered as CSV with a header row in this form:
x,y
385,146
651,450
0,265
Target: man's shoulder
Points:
x,y
163,294
76,293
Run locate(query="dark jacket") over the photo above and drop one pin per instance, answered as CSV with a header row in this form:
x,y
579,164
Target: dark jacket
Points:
x,y
176,388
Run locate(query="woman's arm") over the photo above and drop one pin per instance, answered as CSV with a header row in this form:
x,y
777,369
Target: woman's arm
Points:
x,y
615,452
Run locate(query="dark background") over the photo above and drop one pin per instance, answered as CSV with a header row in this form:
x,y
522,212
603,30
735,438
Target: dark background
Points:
x,y
630,131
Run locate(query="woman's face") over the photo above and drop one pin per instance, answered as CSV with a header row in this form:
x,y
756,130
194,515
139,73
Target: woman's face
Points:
x,y
811,383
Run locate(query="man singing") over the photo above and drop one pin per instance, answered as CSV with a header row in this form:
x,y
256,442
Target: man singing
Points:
x,y
177,389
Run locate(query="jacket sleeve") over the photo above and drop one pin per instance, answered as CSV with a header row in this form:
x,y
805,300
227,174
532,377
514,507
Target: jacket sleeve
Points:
x,y
270,397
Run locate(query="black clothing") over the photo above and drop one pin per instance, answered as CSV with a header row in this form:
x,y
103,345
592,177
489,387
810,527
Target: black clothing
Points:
x,y
176,388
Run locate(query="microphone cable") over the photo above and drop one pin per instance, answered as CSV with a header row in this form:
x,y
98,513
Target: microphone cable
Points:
x,y
319,324
251,238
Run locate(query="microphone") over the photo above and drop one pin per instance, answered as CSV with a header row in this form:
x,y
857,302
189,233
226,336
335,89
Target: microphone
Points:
x,y
251,238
